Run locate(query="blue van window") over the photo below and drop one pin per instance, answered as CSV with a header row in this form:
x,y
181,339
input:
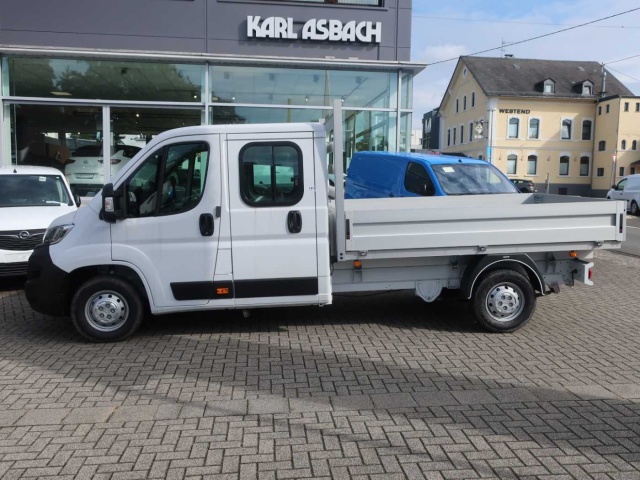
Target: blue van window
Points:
x,y
417,180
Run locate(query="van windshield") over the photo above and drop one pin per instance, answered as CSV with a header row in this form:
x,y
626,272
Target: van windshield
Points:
x,y
33,191
476,179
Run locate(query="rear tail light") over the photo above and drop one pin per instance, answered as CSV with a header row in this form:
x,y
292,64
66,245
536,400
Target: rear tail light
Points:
x,y
591,274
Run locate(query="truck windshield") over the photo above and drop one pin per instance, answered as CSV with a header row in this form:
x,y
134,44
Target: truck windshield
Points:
x,y
476,179
33,191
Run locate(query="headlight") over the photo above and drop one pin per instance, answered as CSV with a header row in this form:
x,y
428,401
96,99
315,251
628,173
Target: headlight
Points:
x,y
55,234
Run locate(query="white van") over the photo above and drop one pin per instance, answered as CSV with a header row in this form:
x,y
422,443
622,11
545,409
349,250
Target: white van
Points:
x,y
628,189
30,199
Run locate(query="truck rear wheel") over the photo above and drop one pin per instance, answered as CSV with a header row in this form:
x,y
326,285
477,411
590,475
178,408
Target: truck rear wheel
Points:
x,y
504,301
106,309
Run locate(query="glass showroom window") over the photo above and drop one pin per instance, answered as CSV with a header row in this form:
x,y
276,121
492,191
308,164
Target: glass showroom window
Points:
x,y
566,129
514,126
564,165
585,166
586,129
305,87
532,165
103,79
512,164
534,128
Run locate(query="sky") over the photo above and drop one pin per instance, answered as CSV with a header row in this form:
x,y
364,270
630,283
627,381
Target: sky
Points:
x,y
443,30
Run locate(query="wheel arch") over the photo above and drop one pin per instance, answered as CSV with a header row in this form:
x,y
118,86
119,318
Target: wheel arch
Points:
x,y
82,274
488,263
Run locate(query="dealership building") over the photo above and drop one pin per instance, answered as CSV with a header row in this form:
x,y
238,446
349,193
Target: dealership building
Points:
x,y
82,79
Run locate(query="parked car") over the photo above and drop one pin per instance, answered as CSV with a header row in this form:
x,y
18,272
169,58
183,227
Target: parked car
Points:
x,y
628,189
85,168
30,199
525,186
384,174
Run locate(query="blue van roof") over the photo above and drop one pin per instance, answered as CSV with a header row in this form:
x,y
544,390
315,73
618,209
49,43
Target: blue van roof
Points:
x,y
425,158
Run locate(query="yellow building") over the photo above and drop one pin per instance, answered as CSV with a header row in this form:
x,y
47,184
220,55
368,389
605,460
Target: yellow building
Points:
x,y
537,120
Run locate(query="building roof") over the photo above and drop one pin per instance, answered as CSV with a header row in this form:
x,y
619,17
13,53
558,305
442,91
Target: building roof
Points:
x,y
524,77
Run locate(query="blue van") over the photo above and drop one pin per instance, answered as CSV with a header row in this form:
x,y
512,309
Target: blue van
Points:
x,y
386,174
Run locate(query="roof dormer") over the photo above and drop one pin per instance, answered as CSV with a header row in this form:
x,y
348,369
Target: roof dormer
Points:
x,y
548,86
584,88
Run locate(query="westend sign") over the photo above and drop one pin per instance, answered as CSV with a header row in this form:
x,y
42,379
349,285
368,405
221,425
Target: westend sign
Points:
x,y
317,30
514,111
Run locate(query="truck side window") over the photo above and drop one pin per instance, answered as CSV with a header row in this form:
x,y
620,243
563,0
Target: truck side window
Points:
x,y
417,180
170,181
271,174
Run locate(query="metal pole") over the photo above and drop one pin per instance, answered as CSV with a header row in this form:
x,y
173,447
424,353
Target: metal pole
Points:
x,y
106,142
338,170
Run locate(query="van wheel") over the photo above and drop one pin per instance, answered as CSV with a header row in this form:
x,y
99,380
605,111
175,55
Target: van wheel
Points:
x,y
106,309
635,211
504,301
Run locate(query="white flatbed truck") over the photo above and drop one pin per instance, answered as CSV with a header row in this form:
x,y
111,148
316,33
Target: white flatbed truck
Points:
x,y
240,217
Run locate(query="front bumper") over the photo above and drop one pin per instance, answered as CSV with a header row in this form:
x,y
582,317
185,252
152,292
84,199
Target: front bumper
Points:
x,y
13,269
47,285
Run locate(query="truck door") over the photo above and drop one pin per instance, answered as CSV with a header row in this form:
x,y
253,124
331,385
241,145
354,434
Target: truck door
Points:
x,y
273,219
171,231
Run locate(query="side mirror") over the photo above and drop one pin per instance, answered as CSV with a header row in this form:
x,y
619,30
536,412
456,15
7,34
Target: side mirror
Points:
x,y
76,198
111,210
614,187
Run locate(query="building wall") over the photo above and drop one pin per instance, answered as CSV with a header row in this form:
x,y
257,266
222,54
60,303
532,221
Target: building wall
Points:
x,y
197,26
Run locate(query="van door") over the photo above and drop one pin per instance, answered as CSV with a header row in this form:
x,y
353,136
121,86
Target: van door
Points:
x,y
171,231
619,192
273,218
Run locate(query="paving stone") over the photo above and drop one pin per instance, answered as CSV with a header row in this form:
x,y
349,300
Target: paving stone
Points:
x,y
590,392
224,408
393,400
268,405
474,397
627,390
434,399
88,415
513,395
352,402
9,417
137,413
44,416
319,404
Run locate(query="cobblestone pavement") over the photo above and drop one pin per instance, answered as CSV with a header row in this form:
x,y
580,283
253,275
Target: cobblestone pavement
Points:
x,y
375,387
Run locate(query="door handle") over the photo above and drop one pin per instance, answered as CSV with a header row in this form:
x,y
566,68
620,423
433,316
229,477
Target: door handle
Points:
x,y
294,221
206,224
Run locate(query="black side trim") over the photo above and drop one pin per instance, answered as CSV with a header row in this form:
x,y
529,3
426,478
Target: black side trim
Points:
x,y
278,287
202,290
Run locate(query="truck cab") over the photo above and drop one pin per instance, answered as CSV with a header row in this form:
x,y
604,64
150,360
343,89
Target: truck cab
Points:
x,y
386,174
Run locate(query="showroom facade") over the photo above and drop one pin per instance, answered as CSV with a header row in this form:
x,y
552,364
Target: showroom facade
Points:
x,y
242,61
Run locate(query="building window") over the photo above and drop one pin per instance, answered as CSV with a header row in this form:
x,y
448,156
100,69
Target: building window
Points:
x,y
454,135
585,166
271,174
464,102
565,133
514,126
634,145
464,73
621,172
457,105
586,129
608,108
448,137
512,164
532,165
637,106
600,172
471,132
534,128
632,170
626,106
473,99
623,145
549,86
461,133
586,89
600,110
564,165
602,146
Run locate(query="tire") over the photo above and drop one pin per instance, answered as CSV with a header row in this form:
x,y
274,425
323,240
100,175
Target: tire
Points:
x,y
506,287
106,296
635,211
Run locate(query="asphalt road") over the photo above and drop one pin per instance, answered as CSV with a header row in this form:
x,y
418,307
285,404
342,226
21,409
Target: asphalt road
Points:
x,y
632,244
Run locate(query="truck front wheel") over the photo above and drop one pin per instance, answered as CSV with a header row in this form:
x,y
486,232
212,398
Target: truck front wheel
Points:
x,y
504,301
106,309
